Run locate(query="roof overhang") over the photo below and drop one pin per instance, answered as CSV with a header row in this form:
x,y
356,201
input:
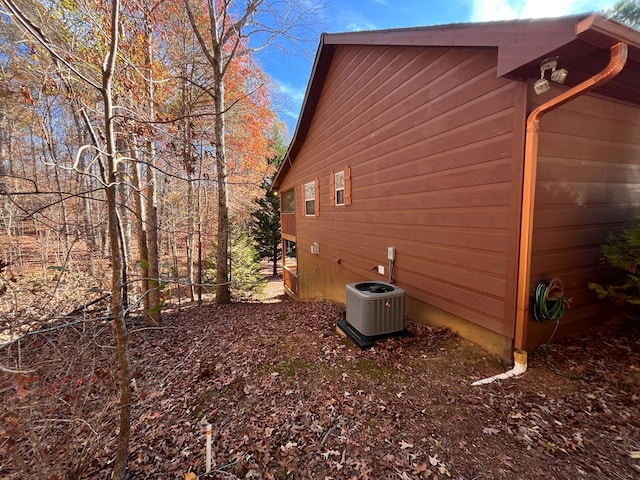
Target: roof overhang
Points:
x,y
580,42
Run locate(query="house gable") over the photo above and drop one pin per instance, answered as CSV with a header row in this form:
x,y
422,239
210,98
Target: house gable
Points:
x,y
432,129
582,42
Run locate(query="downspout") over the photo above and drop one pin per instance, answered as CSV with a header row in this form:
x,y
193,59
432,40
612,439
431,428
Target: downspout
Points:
x,y
617,61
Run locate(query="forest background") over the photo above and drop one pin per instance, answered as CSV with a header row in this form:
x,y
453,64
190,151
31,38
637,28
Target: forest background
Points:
x,y
135,138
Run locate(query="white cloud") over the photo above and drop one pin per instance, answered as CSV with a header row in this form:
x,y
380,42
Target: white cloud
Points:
x,y
290,91
358,24
287,101
349,20
487,10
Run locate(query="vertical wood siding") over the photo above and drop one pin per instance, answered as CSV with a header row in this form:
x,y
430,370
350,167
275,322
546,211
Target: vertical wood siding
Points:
x,y
588,185
429,137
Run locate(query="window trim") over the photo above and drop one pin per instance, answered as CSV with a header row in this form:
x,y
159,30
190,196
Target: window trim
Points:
x,y
337,190
346,187
315,199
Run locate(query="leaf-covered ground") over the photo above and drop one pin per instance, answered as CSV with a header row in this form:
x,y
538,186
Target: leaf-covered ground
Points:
x,y
289,398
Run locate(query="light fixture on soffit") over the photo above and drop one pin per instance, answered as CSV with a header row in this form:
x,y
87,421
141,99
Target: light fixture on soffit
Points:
x,y
558,75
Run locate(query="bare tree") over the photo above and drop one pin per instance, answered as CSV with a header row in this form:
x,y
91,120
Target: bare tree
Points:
x,y
110,178
152,314
231,27
117,309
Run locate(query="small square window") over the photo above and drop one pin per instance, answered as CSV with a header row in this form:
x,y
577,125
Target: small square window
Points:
x,y
310,198
339,186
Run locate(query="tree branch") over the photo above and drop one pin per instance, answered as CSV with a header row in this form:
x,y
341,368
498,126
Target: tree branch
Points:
x,y
35,31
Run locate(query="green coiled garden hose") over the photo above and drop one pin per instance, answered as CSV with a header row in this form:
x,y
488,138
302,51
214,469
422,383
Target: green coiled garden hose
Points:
x,y
549,305
549,302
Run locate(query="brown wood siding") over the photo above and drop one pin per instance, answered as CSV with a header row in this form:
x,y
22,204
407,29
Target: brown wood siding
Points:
x,y
288,223
429,137
587,185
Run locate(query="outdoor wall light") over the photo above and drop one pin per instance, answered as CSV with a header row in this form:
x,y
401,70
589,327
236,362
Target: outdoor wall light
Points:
x,y
559,76
541,86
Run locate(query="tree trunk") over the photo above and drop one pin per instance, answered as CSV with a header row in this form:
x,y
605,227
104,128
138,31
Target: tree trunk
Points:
x,y
190,169
153,318
199,208
199,242
223,290
191,228
123,211
143,253
63,234
5,139
215,53
122,449
275,259
117,310
190,273
124,227
124,259
86,226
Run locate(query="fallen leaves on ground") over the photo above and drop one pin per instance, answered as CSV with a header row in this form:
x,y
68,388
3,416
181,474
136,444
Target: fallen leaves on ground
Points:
x,y
289,398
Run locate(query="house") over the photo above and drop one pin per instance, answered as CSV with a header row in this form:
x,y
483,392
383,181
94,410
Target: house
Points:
x,y
459,146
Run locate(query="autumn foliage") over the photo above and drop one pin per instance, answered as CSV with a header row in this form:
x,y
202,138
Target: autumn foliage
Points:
x,y
112,153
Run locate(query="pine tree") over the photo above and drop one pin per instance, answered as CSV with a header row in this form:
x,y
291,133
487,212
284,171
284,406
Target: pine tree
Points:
x,y
265,226
623,252
246,280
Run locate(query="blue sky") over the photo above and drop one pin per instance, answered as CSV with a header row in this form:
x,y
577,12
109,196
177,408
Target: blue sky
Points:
x,y
290,73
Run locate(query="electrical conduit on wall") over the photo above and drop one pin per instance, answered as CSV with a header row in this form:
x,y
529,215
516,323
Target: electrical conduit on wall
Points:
x,y
618,58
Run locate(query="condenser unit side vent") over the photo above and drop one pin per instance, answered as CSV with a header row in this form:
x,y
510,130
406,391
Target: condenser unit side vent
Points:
x,y
375,310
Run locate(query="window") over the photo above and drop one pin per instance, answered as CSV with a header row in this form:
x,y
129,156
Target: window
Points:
x,y
310,198
341,187
288,201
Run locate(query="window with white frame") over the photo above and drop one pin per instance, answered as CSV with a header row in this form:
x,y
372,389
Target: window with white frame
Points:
x,y
339,188
310,198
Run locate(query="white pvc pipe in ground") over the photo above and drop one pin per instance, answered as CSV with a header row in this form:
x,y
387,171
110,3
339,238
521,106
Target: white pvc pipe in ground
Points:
x,y
208,450
519,367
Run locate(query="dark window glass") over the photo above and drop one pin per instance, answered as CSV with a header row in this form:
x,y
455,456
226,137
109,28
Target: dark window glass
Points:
x,y
288,199
310,207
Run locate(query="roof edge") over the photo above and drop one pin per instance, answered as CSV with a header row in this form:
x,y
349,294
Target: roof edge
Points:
x,y
601,30
519,42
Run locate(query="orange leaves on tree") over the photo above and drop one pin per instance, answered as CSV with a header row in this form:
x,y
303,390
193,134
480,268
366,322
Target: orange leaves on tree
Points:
x,y
250,121
27,95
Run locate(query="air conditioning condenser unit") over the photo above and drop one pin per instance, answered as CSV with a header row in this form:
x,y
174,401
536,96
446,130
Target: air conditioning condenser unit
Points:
x,y
375,310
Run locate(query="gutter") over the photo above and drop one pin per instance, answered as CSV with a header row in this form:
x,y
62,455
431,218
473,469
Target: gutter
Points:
x,y
617,61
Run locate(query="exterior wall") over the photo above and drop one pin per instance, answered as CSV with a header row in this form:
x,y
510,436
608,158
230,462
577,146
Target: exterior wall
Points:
x,y
288,225
587,185
434,141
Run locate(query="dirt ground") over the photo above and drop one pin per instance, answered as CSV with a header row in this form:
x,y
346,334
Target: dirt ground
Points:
x,y
288,398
